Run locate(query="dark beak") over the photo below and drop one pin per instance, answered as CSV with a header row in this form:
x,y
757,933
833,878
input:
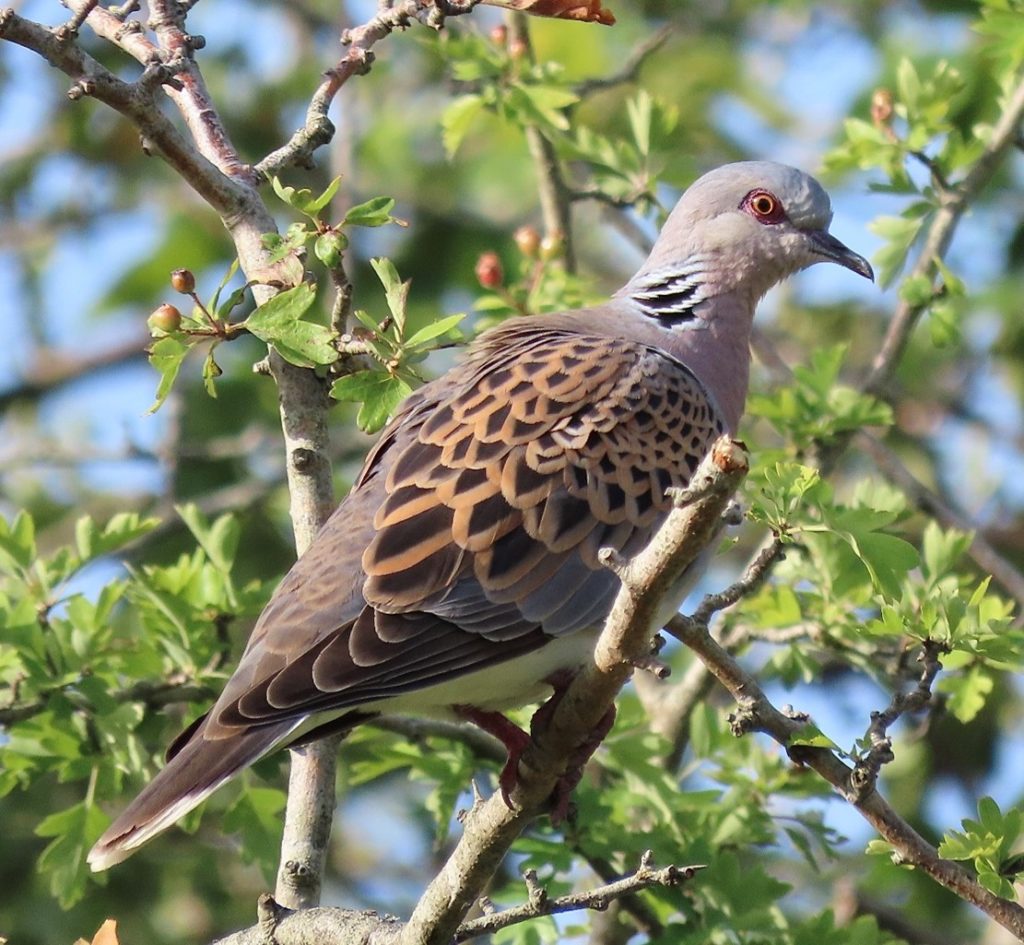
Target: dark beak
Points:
x,y
826,245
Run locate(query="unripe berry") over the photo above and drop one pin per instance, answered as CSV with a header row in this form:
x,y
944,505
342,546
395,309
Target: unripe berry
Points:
x,y
183,281
552,246
164,320
329,247
488,271
528,241
881,107
517,49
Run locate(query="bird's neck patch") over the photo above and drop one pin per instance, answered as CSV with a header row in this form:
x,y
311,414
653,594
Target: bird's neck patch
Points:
x,y
670,296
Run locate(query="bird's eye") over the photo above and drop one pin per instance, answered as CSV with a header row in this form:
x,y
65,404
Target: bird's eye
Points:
x,y
763,206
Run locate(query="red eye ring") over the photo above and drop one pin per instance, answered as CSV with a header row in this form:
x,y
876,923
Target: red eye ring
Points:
x,y
763,206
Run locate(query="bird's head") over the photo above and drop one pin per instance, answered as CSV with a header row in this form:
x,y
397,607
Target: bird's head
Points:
x,y
747,226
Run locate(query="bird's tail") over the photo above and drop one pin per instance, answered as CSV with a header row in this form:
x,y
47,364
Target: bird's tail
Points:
x,y
192,774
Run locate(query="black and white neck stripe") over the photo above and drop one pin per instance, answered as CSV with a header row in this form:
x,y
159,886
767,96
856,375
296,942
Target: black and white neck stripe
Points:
x,y
671,295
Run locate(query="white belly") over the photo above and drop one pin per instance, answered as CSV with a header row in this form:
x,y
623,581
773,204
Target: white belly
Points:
x,y
517,682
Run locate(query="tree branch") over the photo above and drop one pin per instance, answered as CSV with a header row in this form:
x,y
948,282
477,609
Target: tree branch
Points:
x,y
539,904
51,369
865,773
756,713
954,201
302,395
555,201
631,65
150,693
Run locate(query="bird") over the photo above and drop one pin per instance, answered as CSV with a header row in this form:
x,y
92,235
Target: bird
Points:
x,y
461,577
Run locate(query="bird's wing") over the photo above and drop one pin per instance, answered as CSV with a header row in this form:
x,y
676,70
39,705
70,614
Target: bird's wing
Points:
x,y
472,534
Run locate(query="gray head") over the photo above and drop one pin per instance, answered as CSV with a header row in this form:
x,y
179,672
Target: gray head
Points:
x,y
744,227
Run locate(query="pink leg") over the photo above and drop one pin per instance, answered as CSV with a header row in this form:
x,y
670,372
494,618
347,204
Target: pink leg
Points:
x,y
515,741
509,734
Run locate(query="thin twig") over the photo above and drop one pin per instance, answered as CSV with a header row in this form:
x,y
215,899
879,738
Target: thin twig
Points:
x,y
631,65
318,129
69,30
955,199
756,573
865,773
539,904
555,202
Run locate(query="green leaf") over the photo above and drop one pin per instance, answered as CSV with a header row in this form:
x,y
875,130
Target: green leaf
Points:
x,y
303,200
318,203
118,532
18,540
810,735
75,830
456,121
541,105
219,540
968,692
639,111
167,355
215,306
256,816
434,330
887,558
278,322
374,212
908,83
379,392
211,371
899,234
396,291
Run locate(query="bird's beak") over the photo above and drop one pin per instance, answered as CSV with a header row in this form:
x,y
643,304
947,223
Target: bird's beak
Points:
x,y
825,244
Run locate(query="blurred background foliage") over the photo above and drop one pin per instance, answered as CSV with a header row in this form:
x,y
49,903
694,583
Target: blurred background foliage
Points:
x,y
114,634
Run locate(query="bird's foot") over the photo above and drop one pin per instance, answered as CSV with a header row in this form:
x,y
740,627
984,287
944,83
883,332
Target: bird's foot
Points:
x,y
515,741
509,734
577,761
562,796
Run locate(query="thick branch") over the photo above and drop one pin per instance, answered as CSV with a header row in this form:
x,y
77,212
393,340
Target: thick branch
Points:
x,y
139,104
167,19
